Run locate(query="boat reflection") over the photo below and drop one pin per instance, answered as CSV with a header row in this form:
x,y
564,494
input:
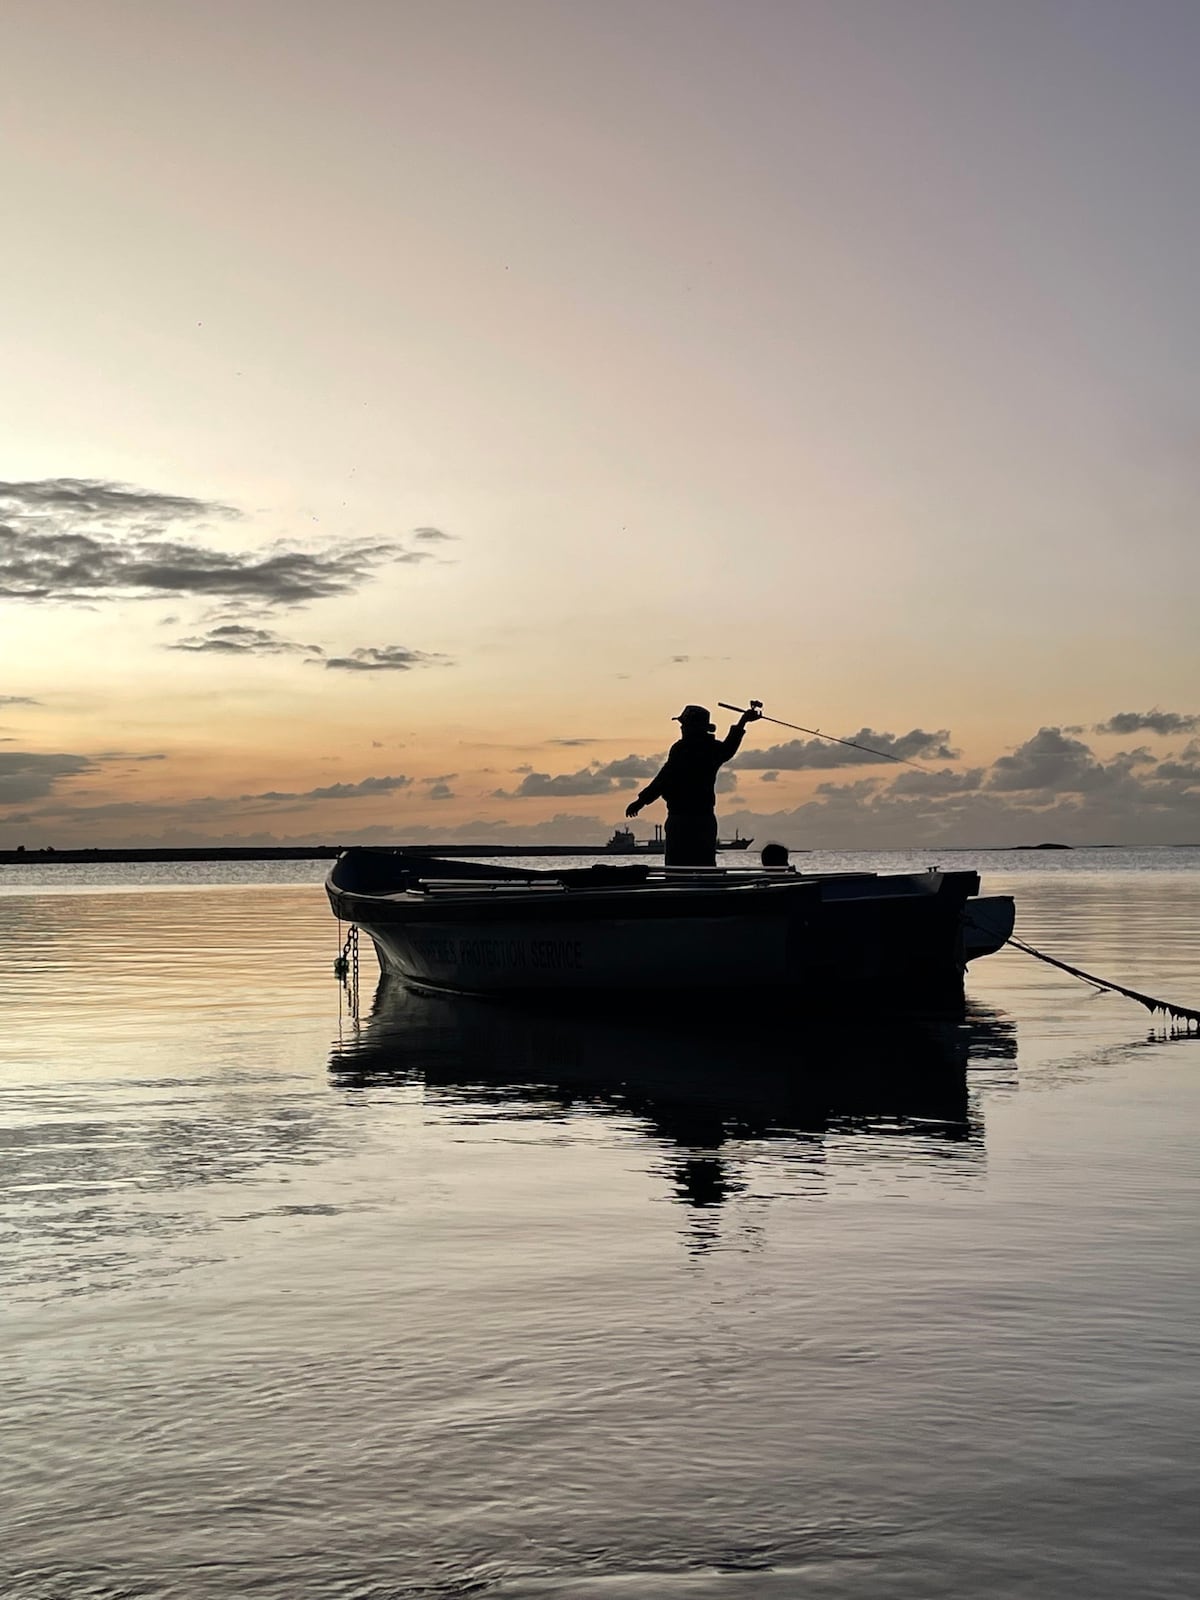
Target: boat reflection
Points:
x,y
697,1083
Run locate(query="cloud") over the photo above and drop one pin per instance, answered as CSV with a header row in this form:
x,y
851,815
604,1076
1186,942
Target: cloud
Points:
x,y
1183,769
238,639
441,791
1154,721
339,791
630,766
860,789
26,775
385,658
1050,762
1129,759
73,540
812,754
938,784
91,498
600,778
433,536
86,566
536,785
135,819
234,609
17,700
768,777
571,744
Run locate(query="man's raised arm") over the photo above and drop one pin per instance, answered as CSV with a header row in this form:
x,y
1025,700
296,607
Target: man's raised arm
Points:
x,y
729,744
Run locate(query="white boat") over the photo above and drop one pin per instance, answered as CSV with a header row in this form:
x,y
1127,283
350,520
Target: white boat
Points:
x,y
485,929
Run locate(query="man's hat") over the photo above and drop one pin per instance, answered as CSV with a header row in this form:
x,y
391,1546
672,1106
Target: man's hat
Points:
x,y
693,714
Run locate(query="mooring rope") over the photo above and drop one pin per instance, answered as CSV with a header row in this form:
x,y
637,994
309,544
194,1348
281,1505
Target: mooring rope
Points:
x,y
1183,1014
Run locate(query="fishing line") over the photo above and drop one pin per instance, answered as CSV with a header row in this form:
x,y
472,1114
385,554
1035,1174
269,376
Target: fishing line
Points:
x,y
884,755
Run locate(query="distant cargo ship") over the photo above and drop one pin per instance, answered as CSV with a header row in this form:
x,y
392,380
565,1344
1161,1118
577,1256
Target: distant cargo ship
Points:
x,y
625,842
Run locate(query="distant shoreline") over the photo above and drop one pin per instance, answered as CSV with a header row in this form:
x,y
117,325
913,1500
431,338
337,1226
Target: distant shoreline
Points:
x,y
315,852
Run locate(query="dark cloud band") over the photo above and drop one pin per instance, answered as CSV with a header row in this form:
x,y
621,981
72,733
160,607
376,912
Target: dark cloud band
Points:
x,y
69,539
29,775
91,497
602,778
1155,721
385,658
239,639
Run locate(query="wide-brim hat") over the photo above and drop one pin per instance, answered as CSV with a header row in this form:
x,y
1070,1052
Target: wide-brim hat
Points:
x,y
691,714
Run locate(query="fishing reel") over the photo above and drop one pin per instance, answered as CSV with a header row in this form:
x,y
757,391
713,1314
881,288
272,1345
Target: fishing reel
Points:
x,y
755,706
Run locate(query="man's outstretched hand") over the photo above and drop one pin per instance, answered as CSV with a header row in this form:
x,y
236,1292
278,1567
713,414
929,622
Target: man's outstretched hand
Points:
x,y
632,809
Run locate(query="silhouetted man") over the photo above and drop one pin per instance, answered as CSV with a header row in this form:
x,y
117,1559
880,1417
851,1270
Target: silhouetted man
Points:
x,y
688,783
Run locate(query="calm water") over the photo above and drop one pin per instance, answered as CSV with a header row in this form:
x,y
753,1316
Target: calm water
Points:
x,y
472,1301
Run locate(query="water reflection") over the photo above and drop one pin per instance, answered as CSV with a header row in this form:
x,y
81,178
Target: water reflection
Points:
x,y
701,1086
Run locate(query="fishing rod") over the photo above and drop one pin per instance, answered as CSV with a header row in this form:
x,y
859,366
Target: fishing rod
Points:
x,y
884,755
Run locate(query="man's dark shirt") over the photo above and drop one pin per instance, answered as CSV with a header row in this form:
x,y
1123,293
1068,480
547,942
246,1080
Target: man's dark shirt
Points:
x,y
688,779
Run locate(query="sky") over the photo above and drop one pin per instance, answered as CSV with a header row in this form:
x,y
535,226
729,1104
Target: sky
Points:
x,y
407,407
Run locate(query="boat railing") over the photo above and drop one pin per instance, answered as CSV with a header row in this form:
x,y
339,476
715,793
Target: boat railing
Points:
x,y
675,878
487,886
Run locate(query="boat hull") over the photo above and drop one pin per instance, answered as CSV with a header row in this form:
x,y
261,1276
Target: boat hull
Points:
x,y
634,931
988,920
517,956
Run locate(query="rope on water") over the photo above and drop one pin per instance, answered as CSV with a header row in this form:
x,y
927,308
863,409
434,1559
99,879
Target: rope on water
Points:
x,y
1183,1014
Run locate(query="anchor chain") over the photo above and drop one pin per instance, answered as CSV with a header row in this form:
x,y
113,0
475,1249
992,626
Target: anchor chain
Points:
x,y
345,968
